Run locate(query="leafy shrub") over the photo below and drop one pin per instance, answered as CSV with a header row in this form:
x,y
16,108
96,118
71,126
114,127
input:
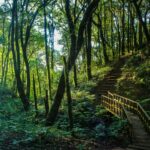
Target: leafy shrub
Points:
x,y
143,73
134,61
100,130
116,127
5,92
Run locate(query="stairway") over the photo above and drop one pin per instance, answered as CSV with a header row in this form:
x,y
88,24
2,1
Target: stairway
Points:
x,y
141,139
110,80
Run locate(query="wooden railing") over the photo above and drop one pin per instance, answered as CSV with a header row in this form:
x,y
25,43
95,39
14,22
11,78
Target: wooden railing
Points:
x,y
113,106
117,109
116,104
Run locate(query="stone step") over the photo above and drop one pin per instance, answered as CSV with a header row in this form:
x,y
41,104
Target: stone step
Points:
x,y
111,77
139,147
108,87
147,145
109,80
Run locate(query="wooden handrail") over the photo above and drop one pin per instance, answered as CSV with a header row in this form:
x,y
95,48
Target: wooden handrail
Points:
x,y
134,107
113,106
117,109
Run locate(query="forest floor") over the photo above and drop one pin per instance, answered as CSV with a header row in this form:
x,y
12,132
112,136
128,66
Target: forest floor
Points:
x,y
94,127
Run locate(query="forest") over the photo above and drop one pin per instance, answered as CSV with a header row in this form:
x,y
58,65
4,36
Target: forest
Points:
x,y
74,74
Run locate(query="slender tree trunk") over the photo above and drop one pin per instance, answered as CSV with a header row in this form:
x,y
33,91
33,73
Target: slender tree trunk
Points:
x,y
141,21
35,96
3,52
68,94
7,57
51,33
47,52
123,28
20,88
75,75
99,41
140,35
25,39
106,59
112,40
27,70
6,69
133,30
128,31
46,103
119,39
89,48
38,76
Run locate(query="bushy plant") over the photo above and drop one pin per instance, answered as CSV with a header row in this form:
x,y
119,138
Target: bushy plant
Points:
x,y
116,127
134,61
143,73
5,92
100,131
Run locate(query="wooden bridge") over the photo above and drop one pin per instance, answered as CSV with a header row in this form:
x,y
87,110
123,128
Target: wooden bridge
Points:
x,y
138,119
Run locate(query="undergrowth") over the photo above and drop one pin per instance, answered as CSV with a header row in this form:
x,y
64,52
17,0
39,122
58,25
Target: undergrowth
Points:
x,y
135,80
21,130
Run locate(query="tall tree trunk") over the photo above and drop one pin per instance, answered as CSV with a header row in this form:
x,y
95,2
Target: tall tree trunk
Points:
x,y
75,75
119,39
89,48
112,40
128,31
140,35
133,29
47,52
123,28
106,59
20,88
46,103
139,14
68,94
27,70
51,33
35,96
25,38
7,57
3,51
99,46
38,76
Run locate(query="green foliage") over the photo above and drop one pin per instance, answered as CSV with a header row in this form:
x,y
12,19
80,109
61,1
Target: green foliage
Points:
x,y
19,127
90,121
100,131
5,92
146,104
100,111
134,61
135,79
116,127
143,73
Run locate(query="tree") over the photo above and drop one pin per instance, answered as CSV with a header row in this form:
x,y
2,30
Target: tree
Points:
x,y
76,44
46,50
16,56
88,47
68,92
137,7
